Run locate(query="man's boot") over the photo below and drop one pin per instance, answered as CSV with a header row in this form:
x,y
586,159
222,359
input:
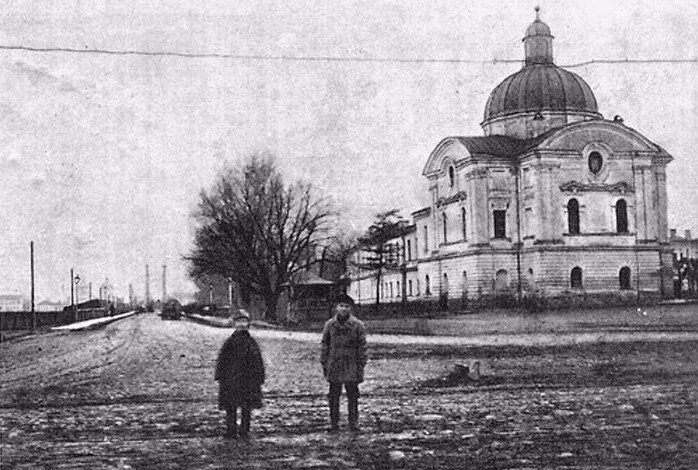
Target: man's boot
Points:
x,y
334,413
231,424
353,409
245,419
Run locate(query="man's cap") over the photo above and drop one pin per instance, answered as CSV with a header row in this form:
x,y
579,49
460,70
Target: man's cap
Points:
x,y
342,299
242,314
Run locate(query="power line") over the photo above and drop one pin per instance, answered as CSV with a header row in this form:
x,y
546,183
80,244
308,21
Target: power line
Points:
x,y
291,58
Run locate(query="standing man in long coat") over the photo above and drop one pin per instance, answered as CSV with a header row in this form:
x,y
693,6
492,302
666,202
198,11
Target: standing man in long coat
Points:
x,y
240,375
343,359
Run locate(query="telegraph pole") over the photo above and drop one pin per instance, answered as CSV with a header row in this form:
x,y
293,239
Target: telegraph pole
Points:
x,y
164,282
230,294
31,249
77,297
147,285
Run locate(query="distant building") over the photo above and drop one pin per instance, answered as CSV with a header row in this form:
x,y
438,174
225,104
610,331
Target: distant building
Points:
x,y
553,199
48,306
12,303
685,251
683,247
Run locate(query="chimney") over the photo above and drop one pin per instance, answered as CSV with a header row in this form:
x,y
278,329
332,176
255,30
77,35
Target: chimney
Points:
x,y
672,233
687,234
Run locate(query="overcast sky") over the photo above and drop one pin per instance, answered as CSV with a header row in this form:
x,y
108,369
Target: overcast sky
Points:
x,y
102,156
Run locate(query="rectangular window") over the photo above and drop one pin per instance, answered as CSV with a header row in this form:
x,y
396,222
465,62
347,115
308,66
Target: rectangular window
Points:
x,y
500,224
409,250
426,239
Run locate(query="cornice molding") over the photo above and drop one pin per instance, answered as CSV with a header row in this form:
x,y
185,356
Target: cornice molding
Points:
x,y
443,201
576,187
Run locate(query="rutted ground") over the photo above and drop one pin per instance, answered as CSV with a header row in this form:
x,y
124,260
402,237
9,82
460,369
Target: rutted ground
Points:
x,y
139,393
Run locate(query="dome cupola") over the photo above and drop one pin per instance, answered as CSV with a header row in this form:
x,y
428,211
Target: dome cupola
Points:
x,y
538,42
541,95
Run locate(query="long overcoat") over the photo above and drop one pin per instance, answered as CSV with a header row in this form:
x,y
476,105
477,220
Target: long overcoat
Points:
x,y
343,355
240,372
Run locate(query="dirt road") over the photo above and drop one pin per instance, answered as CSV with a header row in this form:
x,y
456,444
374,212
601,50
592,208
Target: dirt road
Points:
x,y
139,394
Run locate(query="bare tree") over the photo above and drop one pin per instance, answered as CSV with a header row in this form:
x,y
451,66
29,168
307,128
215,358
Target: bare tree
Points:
x,y
256,230
379,255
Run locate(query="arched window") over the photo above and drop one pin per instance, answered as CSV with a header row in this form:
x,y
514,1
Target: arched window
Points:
x,y
391,289
417,288
409,249
451,176
409,287
465,284
576,278
444,287
573,216
398,293
427,287
462,222
445,222
621,216
501,281
624,278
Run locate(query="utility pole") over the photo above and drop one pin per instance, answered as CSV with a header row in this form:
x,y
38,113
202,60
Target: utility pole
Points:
x,y
31,249
230,294
147,286
90,290
77,297
164,282
72,292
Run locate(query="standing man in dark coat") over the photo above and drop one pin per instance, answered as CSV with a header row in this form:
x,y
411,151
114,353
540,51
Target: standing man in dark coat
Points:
x,y
240,375
343,359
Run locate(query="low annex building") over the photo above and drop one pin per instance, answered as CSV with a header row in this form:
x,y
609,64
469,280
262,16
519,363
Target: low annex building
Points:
x,y
553,198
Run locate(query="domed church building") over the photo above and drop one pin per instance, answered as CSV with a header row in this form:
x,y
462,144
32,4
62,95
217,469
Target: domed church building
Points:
x,y
553,198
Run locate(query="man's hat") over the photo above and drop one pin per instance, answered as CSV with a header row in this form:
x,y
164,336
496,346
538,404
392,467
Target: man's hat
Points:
x,y
342,298
242,314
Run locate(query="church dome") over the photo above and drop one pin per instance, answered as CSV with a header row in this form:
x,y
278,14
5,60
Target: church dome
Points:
x,y
540,85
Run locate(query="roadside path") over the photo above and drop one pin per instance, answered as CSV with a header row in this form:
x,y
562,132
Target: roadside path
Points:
x,y
94,323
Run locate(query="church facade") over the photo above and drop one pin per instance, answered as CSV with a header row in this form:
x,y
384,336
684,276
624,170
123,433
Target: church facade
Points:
x,y
552,199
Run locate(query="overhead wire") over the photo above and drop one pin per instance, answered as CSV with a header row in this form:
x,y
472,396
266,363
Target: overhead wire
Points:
x,y
319,58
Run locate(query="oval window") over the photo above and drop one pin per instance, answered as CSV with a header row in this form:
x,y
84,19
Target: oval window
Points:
x,y
595,162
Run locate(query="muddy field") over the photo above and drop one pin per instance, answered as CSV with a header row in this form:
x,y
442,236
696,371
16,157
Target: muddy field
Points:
x,y
139,394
